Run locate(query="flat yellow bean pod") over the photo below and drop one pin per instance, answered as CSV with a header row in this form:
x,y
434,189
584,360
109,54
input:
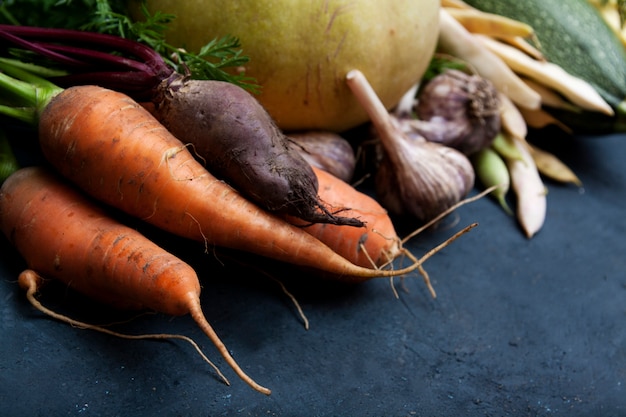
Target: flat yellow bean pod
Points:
x,y
511,118
552,167
539,118
455,4
530,191
457,41
490,24
575,89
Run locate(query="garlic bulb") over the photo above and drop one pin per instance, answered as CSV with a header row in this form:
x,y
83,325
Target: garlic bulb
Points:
x,y
326,150
415,177
458,110
423,179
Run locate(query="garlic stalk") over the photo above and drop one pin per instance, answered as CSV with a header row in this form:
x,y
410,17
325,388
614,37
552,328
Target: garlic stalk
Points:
x,y
415,177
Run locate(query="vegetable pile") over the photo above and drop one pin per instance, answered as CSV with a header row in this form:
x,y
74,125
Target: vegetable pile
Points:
x,y
128,122
544,78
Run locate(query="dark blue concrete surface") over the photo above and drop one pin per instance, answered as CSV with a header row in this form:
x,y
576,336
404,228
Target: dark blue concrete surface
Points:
x,y
520,328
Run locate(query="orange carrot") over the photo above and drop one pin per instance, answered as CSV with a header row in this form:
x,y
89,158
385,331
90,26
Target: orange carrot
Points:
x,y
371,246
115,150
377,244
63,235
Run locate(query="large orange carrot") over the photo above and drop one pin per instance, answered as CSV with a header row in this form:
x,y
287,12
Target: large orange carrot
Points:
x,y
375,245
63,235
371,246
116,151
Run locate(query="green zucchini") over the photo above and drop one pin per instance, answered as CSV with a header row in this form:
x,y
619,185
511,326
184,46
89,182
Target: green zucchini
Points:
x,y
573,35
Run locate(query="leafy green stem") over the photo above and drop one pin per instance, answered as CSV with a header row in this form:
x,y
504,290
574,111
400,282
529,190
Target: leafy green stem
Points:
x,y
8,161
30,93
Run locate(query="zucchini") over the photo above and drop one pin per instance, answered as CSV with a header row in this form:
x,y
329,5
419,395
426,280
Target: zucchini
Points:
x,y
573,35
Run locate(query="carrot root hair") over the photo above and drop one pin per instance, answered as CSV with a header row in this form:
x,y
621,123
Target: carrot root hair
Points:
x,y
196,313
420,268
204,238
448,211
418,263
295,302
171,153
30,281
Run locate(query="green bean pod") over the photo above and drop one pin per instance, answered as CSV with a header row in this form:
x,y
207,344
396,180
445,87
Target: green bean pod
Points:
x,y
505,146
492,171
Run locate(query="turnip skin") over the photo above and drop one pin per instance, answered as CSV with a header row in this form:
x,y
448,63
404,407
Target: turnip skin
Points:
x,y
301,51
